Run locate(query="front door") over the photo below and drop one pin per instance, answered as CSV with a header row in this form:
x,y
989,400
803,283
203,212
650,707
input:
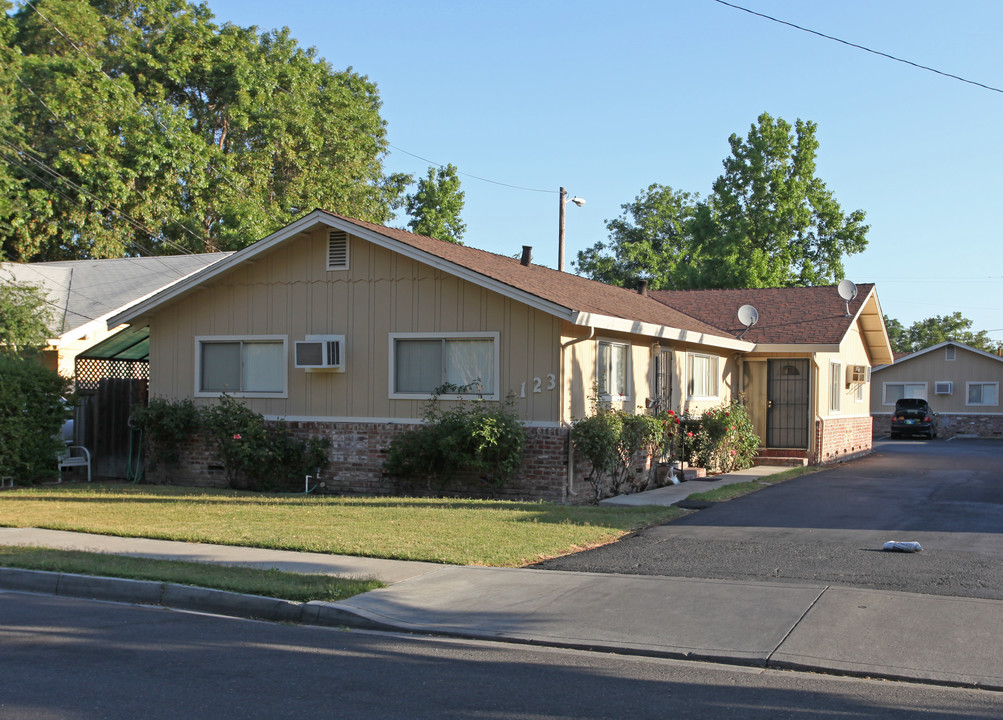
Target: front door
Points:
x,y
787,395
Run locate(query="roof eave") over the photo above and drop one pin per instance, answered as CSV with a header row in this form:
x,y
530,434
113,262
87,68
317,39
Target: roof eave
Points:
x,y
665,332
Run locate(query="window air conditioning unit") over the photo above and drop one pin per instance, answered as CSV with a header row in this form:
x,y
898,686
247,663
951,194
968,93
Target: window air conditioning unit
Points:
x,y
321,352
943,388
857,374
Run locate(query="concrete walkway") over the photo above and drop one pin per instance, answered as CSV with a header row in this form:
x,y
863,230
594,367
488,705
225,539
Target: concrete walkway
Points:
x,y
672,494
813,627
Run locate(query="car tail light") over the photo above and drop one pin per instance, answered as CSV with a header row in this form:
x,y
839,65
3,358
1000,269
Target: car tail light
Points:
x,y
926,418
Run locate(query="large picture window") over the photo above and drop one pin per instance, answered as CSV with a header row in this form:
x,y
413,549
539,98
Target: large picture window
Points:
x,y
420,364
613,370
248,366
702,376
898,391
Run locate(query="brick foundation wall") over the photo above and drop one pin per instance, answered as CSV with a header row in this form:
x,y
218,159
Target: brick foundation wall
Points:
x,y
357,453
839,439
973,425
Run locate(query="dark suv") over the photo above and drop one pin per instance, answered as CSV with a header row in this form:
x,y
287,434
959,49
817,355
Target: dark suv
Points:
x,y
913,416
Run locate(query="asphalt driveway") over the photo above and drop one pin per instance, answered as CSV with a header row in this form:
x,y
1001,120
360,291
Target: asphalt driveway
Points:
x,y
830,527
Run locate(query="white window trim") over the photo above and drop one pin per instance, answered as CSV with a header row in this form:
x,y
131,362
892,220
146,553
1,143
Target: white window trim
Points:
x,y
884,391
950,353
835,387
689,376
606,397
983,383
199,339
492,336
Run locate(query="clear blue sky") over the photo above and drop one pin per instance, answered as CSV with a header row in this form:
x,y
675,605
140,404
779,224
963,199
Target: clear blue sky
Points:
x,y
606,98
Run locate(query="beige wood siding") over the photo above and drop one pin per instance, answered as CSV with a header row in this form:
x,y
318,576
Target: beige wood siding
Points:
x,y
933,367
290,292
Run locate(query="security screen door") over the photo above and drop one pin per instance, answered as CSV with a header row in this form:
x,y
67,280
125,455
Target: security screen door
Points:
x,y
787,394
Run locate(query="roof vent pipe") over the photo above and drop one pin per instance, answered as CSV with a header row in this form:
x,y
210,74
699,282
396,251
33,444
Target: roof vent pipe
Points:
x,y
642,287
527,255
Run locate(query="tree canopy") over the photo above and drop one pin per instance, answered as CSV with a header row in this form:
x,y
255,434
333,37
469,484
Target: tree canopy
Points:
x,y
24,317
937,329
769,222
436,205
144,128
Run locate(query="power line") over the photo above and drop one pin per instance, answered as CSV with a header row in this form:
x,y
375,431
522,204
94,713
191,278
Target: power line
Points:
x,y
475,177
859,47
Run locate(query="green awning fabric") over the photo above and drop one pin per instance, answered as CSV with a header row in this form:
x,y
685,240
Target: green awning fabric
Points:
x,y
132,343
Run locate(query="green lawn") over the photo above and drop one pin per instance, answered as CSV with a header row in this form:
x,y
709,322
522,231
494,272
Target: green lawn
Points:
x,y
462,532
299,587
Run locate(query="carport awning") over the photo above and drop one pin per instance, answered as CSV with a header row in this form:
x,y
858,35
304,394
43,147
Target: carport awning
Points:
x,y
132,343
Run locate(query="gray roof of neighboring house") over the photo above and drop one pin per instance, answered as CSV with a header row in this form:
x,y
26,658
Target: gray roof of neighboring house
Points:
x,y
79,291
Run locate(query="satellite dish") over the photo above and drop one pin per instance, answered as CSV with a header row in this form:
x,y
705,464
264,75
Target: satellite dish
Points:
x,y
748,316
847,290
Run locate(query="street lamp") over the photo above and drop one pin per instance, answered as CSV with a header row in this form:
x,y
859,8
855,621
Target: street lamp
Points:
x,y
560,235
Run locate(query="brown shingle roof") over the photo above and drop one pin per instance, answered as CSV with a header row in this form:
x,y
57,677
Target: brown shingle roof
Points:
x,y
802,315
569,291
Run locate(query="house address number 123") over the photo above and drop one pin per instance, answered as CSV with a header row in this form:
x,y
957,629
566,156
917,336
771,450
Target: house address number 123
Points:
x,y
538,384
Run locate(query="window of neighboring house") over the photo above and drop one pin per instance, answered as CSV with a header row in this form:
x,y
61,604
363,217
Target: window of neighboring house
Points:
x,y
983,393
835,386
898,391
253,366
613,370
950,352
422,363
702,376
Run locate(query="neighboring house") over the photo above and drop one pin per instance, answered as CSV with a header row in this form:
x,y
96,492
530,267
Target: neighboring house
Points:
x,y
109,367
83,294
961,383
344,328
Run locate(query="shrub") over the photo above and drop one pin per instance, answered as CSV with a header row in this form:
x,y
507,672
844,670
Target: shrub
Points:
x,y
168,425
721,439
32,410
613,441
255,455
477,436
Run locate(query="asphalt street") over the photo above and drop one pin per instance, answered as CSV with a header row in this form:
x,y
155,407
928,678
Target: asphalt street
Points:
x,y
830,526
87,660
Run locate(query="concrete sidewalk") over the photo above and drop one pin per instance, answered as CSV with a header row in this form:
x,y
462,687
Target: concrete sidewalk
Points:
x,y
820,628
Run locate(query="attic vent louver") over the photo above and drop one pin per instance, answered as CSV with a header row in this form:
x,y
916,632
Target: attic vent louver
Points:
x,y
337,250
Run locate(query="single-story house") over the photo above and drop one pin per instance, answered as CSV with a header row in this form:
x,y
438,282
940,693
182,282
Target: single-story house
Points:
x,y
82,295
342,327
961,383
108,362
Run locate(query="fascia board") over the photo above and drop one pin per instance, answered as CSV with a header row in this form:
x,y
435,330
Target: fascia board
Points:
x,y
459,271
319,217
636,327
143,307
796,348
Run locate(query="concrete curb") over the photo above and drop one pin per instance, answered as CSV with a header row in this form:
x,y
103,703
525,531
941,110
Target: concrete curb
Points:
x,y
181,597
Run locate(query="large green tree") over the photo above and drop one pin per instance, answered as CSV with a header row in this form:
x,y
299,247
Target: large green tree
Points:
x,y
436,205
653,238
769,222
24,317
937,329
147,128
